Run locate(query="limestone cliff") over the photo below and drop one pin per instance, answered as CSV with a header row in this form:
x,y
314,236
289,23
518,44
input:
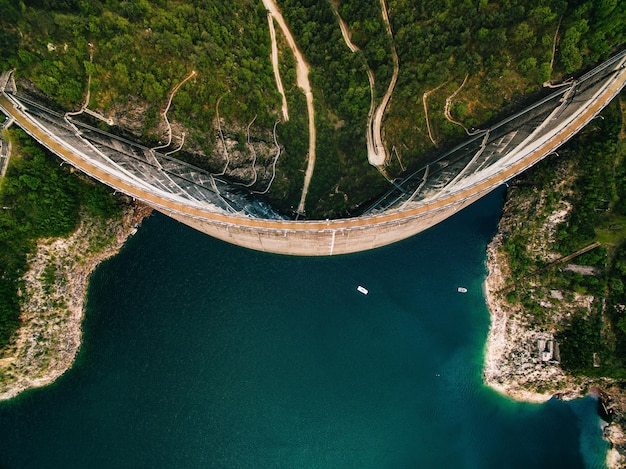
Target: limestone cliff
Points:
x,y
53,301
529,311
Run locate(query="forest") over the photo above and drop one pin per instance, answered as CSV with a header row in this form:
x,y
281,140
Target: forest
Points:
x,y
39,199
595,189
136,51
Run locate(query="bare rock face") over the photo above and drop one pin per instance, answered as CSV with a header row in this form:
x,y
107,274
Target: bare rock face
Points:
x,y
522,357
131,116
244,154
613,402
54,294
515,364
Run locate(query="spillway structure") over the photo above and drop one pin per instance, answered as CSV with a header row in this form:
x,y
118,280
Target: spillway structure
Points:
x,y
425,197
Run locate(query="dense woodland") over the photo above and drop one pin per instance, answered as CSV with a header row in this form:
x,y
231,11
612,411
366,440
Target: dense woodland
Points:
x,y
596,190
142,49
39,199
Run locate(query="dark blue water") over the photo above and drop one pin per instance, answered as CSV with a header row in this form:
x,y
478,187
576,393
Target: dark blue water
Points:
x,y
198,354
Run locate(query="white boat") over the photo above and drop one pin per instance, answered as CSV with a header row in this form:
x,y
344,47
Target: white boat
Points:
x,y
362,289
461,290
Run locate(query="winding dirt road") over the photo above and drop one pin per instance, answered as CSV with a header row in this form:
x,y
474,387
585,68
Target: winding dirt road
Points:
x,y
302,78
378,155
376,152
274,58
167,108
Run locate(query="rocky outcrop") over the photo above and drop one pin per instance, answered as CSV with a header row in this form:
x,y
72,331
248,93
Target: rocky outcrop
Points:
x,y
53,301
243,153
522,355
516,363
612,407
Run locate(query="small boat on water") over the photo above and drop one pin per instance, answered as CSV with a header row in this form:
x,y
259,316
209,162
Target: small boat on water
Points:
x,y
461,290
362,289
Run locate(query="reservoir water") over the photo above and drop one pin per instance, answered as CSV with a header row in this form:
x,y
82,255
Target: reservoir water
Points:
x,y
199,354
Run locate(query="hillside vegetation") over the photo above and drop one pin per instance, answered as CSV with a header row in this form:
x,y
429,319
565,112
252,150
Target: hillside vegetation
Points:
x,y
39,199
561,205
137,51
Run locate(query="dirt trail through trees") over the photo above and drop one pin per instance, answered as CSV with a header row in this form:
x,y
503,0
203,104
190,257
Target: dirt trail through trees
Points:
x,y
425,101
85,107
274,57
167,108
302,77
376,153
446,110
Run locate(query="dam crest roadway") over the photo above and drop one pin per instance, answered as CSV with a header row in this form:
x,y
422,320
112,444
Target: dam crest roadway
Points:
x,y
445,185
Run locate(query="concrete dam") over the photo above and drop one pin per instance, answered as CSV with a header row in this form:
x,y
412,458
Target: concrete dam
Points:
x,y
445,185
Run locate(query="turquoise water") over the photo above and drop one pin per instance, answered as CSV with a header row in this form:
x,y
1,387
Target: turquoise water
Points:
x,y
198,354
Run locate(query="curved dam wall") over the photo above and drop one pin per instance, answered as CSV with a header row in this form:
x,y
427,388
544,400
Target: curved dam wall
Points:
x,y
339,236
323,239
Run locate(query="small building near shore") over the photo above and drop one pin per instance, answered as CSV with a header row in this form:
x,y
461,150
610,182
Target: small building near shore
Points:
x,y
548,350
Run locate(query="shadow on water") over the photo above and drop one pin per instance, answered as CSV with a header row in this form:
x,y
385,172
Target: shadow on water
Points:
x,y
201,354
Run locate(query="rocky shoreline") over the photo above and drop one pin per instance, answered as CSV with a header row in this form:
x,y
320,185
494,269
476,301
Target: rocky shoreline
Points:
x,y
54,296
514,367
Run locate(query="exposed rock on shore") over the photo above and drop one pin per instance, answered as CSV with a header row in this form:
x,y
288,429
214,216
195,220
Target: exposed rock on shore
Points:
x,y
244,152
518,361
513,362
53,301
